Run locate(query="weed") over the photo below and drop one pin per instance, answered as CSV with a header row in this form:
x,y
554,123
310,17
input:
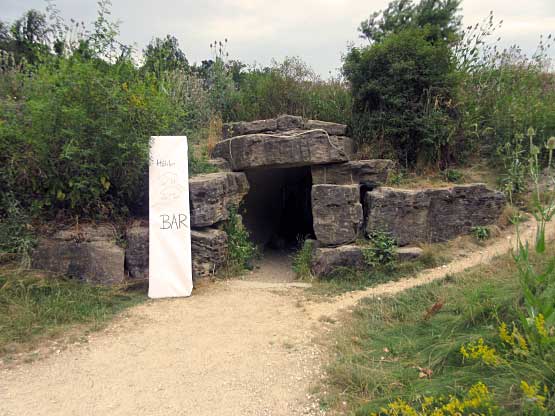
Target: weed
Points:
x,y
302,261
453,175
241,251
480,233
380,251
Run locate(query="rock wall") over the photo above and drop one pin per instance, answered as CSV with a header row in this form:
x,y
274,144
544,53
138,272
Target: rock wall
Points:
x,y
431,215
357,172
208,249
89,253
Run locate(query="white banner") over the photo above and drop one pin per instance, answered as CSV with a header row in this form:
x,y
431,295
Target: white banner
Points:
x,y
170,266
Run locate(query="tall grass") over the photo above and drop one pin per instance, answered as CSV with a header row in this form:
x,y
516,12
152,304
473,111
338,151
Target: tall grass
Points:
x,y
33,306
408,347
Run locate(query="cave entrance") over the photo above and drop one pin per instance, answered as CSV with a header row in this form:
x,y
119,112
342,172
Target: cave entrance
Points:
x,y
277,210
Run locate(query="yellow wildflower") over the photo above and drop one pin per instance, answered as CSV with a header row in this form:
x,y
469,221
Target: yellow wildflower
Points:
x,y
504,335
480,351
540,325
521,340
532,394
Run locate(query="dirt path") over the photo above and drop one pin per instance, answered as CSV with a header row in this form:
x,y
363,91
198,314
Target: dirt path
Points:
x,y
243,347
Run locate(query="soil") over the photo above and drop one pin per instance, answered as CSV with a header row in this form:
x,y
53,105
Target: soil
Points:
x,y
239,347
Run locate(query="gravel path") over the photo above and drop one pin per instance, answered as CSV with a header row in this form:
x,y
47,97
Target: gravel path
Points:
x,y
242,347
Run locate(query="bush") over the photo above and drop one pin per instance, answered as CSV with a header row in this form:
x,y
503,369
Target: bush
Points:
x,y
16,238
75,135
292,87
480,233
241,251
381,249
402,89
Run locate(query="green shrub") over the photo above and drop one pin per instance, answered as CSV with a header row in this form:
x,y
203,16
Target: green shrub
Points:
x,y
292,87
302,261
16,238
480,233
502,92
241,251
381,249
402,89
453,175
76,135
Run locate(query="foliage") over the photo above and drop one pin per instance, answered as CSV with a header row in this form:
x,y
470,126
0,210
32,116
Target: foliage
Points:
x,y
162,55
241,251
302,261
501,93
16,237
537,318
477,401
440,16
82,135
480,232
380,250
454,347
36,306
186,91
27,38
453,175
291,87
402,93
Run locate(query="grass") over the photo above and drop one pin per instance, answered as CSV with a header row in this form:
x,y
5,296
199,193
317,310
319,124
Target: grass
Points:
x,y
34,307
302,261
408,346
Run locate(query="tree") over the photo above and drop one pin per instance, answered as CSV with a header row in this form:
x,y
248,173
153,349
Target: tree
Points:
x,y
403,82
164,55
27,38
439,16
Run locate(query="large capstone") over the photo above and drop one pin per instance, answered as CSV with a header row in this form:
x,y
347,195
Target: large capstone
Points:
x,y
374,171
213,194
304,148
337,213
85,252
431,215
282,123
208,250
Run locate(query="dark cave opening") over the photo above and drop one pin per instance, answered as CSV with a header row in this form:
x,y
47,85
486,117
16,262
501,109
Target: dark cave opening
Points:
x,y
277,210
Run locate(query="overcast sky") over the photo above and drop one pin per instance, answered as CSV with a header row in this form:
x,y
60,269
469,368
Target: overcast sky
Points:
x,y
258,30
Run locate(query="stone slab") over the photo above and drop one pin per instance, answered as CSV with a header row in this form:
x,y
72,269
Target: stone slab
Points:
x,y
212,194
337,213
374,171
307,148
